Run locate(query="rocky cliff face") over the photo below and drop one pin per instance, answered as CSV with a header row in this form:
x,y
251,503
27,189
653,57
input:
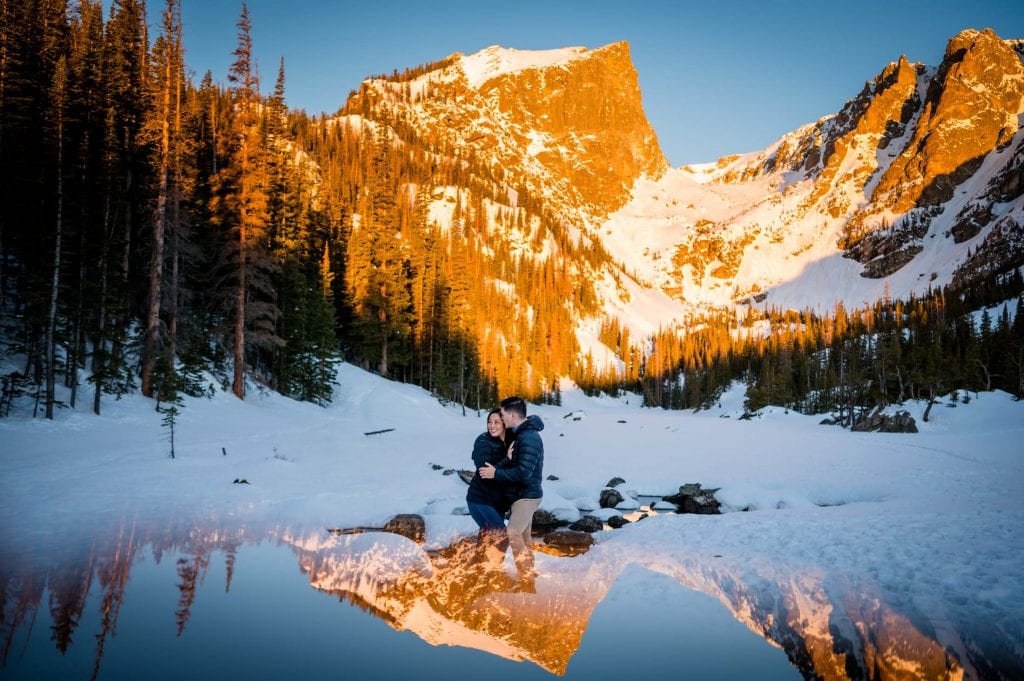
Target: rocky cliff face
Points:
x,y
916,182
567,125
970,112
589,131
971,109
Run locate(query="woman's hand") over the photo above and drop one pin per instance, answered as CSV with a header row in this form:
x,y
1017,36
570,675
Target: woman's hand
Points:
x,y
487,472
510,448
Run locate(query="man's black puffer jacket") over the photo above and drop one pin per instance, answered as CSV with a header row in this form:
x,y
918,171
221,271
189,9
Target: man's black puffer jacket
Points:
x,y
527,468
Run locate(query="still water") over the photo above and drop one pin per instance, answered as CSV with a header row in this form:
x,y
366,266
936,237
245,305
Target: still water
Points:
x,y
205,601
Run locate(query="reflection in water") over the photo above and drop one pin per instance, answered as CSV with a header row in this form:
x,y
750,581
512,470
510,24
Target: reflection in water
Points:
x,y
462,595
470,595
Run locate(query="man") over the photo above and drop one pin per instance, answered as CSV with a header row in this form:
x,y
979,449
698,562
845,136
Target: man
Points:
x,y
524,473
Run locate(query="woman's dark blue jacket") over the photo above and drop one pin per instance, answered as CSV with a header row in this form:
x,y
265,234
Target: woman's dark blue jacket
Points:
x,y
527,468
492,450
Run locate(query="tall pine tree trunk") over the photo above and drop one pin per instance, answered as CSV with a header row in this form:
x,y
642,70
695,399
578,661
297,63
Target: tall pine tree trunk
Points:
x,y
116,347
99,346
172,313
156,265
78,348
60,81
172,303
238,384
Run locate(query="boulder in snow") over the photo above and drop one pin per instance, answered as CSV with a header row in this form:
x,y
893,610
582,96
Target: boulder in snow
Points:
x,y
610,498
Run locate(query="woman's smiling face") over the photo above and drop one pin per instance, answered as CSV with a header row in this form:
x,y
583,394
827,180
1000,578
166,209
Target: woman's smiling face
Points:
x,y
494,425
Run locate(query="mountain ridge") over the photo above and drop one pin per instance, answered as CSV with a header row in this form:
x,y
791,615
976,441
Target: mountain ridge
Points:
x,y
875,180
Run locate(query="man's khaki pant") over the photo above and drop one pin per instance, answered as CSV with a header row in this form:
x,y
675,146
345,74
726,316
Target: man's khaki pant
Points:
x,y
520,524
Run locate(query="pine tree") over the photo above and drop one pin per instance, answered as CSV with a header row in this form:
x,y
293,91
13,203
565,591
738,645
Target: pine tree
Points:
x,y
240,206
166,69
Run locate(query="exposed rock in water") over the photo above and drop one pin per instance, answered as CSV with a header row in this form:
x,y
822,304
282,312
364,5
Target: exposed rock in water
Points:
x,y
617,521
569,543
692,498
408,525
587,523
544,522
614,482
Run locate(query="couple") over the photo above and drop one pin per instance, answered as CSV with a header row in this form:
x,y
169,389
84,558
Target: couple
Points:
x,y
510,460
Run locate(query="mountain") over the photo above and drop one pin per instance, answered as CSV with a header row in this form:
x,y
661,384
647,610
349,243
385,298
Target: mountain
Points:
x,y
916,183
566,124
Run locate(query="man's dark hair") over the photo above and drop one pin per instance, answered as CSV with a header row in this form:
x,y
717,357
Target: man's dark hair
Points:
x,y
514,405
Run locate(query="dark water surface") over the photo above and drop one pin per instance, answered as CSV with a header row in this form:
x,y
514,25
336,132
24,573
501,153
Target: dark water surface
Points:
x,y
209,603
177,601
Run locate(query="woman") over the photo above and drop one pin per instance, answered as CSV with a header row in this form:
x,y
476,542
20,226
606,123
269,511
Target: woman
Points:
x,y
488,499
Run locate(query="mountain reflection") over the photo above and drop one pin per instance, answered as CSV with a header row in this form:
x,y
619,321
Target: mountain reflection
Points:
x,y
462,595
470,595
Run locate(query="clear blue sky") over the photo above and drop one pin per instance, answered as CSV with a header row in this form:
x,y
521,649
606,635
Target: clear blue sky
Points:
x,y
717,77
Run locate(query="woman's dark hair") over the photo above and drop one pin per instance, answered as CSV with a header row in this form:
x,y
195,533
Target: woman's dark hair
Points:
x,y
496,410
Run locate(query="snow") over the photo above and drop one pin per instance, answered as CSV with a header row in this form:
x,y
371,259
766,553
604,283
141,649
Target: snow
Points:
x,y
495,61
928,524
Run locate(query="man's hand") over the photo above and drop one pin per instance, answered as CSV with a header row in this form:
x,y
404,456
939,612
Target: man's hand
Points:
x,y
486,472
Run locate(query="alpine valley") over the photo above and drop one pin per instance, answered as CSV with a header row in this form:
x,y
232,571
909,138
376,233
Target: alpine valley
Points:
x,y
915,185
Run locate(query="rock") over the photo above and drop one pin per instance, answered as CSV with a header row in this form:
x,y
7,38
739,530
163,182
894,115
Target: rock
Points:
x,y
449,471
568,542
552,477
408,525
610,498
587,523
544,522
617,521
615,482
466,476
900,422
702,505
692,498
436,466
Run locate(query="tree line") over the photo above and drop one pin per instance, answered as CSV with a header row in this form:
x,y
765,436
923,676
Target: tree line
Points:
x,y
844,362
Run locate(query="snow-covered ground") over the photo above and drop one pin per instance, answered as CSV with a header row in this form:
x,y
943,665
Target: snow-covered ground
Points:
x,y
844,531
